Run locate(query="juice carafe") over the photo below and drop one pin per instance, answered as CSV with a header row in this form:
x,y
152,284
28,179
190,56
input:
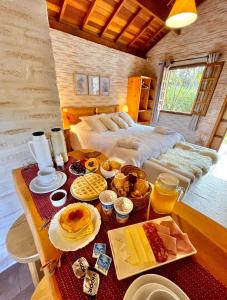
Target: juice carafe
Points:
x,y
165,193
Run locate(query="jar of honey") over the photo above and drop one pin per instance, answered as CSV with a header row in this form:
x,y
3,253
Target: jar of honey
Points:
x,y
165,193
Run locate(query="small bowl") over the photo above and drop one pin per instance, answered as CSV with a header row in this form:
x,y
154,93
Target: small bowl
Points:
x,y
110,174
58,198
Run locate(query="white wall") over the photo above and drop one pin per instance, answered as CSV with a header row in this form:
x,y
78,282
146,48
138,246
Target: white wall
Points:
x,y
28,96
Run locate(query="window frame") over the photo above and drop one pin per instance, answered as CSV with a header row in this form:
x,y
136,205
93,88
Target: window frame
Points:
x,y
187,66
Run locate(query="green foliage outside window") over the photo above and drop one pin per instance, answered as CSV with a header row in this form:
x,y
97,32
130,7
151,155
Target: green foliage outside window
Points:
x,y
182,88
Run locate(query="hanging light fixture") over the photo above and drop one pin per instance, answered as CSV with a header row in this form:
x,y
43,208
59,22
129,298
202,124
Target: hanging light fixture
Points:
x,y
183,13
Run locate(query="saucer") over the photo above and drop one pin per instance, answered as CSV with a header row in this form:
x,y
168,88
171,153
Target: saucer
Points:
x,y
145,290
149,281
35,186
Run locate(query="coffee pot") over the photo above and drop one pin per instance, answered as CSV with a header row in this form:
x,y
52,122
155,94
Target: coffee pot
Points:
x,y
40,150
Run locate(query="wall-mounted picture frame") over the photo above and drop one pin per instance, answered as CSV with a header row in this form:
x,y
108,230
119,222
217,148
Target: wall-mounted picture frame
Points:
x,y
93,84
81,84
104,86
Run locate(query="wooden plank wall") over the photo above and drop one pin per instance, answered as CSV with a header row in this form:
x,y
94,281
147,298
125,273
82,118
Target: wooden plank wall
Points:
x,y
28,96
207,34
75,55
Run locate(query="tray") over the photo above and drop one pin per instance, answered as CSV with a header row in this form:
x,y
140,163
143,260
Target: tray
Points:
x,y
124,269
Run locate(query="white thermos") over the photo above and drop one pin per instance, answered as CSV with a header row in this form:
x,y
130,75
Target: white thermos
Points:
x,y
58,143
40,149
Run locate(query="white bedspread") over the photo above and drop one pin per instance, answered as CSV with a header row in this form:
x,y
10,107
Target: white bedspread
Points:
x,y
152,144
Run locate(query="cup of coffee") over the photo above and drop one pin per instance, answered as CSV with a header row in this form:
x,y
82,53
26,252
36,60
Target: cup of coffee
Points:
x,y
107,199
47,176
58,197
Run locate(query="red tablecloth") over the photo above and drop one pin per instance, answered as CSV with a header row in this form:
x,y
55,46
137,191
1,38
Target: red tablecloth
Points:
x,y
189,275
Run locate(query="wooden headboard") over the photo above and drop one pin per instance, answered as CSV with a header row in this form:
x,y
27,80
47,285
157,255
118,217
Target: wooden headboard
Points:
x,y
70,115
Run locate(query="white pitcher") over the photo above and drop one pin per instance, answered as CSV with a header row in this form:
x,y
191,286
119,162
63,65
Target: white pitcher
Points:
x,y
39,147
58,143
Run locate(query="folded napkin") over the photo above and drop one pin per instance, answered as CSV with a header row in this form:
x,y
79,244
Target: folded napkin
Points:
x,y
129,143
163,130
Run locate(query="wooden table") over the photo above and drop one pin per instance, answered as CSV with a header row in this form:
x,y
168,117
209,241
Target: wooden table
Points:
x,y
209,238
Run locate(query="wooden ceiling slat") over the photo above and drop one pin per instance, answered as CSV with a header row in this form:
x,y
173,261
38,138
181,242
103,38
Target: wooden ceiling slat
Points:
x,y
93,37
53,7
62,10
115,12
158,8
131,20
144,28
89,12
151,40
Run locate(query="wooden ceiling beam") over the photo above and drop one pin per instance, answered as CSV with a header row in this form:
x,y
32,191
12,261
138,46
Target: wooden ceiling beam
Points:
x,y
62,10
89,12
144,28
53,7
114,13
157,8
92,37
153,37
125,28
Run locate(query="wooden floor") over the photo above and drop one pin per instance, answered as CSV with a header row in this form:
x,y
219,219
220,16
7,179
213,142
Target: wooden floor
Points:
x,y
209,194
16,283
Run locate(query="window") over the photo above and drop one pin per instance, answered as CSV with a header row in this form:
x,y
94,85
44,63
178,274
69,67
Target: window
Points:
x,y
180,88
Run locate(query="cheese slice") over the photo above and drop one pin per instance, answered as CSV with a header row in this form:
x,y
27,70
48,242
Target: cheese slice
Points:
x,y
138,247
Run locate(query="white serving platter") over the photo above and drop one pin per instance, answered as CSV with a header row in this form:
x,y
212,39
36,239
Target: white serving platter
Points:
x,y
66,244
122,267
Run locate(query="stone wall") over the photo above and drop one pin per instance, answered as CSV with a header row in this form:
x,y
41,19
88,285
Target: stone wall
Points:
x,y
207,34
75,55
28,96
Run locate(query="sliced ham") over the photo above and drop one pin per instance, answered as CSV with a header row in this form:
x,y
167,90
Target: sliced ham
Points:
x,y
183,243
163,229
173,227
169,242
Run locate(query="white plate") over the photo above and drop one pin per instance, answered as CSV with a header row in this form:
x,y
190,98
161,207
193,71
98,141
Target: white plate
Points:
x,y
122,267
64,244
147,283
35,187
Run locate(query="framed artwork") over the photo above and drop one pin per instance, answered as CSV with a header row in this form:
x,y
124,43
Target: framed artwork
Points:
x,y
93,83
104,86
81,84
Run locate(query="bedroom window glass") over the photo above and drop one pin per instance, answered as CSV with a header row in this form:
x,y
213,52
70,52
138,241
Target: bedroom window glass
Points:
x,y
181,88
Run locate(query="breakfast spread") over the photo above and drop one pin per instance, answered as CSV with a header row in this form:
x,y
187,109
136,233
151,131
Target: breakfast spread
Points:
x,y
91,283
92,164
78,167
107,199
99,248
80,267
88,187
76,222
123,206
111,165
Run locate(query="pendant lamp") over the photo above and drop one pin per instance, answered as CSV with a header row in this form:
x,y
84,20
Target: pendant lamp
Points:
x,y
183,13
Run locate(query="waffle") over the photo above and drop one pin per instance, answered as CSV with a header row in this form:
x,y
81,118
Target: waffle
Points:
x,y
88,187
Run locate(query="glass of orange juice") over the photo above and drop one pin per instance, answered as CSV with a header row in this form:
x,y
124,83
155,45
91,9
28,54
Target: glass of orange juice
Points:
x,y
165,193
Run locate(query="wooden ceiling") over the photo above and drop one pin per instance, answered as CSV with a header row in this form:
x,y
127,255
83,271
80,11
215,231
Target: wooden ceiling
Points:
x,y
132,26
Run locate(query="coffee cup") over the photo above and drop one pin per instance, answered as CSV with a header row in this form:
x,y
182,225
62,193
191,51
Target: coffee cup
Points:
x,y
58,197
107,199
123,206
46,176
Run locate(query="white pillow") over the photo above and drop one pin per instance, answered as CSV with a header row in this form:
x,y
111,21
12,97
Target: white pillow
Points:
x,y
94,123
110,124
120,122
126,118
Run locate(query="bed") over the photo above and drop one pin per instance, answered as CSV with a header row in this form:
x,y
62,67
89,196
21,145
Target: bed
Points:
x,y
152,147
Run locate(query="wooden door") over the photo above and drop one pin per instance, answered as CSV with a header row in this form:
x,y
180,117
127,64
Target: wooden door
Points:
x,y
220,128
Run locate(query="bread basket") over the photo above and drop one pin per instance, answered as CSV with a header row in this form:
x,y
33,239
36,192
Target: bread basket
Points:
x,y
141,202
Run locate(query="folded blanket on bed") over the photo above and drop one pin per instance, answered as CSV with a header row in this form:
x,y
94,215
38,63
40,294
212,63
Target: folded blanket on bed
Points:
x,y
129,143
198,149
163,130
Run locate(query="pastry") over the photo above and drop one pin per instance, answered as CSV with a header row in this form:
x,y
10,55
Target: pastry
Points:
x,y
106,166
88,187
141,186
111,165
75,222
119,180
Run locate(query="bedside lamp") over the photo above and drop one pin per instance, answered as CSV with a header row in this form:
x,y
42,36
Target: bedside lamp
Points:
x,y
124,108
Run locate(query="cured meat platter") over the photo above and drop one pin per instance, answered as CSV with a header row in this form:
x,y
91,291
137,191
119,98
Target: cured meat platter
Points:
x,y
144,246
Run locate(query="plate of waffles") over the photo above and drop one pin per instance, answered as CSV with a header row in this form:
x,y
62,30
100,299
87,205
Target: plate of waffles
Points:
x,y
74,226
88,187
